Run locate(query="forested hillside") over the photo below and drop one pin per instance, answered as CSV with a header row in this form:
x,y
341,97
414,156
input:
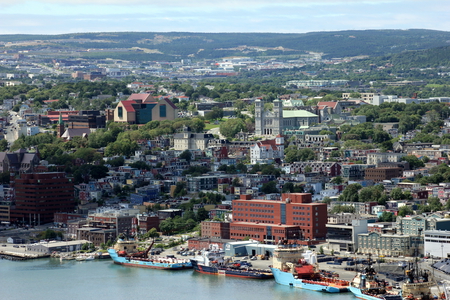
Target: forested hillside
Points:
x,y
152,45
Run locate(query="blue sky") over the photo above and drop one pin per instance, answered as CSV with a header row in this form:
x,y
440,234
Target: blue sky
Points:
x,y
284,16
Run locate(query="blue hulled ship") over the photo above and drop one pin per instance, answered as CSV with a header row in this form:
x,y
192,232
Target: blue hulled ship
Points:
x,y
121,256
297,268
366,285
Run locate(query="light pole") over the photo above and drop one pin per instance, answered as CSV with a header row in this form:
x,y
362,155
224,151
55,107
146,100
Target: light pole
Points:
x,y
442,251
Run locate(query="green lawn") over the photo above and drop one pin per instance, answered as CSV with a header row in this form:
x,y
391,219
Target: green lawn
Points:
x,y
211,126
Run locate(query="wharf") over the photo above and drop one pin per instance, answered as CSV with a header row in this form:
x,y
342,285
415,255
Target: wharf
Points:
x,y
9,251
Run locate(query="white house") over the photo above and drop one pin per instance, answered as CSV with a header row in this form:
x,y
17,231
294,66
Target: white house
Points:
x,y
267,150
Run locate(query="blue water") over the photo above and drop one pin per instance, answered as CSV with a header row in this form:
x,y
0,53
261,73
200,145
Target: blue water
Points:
x,y
50,279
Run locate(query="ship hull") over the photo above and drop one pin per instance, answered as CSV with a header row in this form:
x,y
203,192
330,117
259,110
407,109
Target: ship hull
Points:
x,y
286,278
210,270
357,292
142,263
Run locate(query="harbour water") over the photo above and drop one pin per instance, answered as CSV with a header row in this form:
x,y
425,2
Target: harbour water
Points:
x,y
100,279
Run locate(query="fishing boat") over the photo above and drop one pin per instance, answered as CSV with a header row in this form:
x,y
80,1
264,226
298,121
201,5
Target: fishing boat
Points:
x,y
125,253
366,285
214,263
295,267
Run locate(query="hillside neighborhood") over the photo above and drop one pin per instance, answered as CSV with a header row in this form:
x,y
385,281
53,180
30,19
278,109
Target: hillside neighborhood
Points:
x,y
219,150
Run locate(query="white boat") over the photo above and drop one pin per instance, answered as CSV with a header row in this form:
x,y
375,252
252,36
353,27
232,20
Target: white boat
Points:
x,y
80,258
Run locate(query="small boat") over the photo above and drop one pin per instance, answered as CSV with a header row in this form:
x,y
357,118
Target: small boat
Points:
x,y
66,257
292,266
214,263
80,258
89,258
366,285
141,259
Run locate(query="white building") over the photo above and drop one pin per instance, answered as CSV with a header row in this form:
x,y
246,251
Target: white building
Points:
x,y
437,243
33,130
263,151
376,158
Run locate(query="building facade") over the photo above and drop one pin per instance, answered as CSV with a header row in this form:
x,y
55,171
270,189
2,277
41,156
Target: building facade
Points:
x,y
215,229
293,217
389,244
414,225
40,195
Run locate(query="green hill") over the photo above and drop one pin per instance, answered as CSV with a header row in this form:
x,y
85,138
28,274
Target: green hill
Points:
x,y
176,45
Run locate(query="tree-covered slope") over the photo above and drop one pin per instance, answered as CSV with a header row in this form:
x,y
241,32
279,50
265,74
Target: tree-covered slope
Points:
x,y
213,45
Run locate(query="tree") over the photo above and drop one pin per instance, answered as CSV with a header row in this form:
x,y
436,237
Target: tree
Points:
x,y
186,154
386,217
413,161
343,209
152,233
350,194
140,165
231,127
337,180
405,210
326,200
3,145
202,214
269,187
397,194
167,226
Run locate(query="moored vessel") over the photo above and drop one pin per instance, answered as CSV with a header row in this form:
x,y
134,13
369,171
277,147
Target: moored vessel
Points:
x,y
214,263
124,254
295,267
418,284
366,285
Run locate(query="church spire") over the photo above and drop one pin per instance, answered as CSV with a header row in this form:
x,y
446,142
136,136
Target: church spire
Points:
x,y
60,121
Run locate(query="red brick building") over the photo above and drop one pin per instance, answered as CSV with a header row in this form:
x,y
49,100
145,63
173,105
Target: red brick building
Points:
x,y
380,174
215,229
293,217
40,195
146,223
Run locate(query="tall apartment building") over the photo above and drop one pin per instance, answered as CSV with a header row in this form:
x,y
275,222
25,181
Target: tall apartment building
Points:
x,y
293,217
40,195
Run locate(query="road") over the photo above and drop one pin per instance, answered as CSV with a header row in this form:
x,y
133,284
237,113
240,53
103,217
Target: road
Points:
x,y
11,131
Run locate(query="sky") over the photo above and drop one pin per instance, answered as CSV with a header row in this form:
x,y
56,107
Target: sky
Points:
x,y
279,16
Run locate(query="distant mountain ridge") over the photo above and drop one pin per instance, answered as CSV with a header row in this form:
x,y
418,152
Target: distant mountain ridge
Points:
x,y
178,45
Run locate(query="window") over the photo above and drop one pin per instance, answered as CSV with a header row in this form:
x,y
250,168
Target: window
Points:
x,y
162,111
120,111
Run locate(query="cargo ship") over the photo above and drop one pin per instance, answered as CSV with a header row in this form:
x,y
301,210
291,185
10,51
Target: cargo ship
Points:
x,y
366,285
125,253
292,266
214,263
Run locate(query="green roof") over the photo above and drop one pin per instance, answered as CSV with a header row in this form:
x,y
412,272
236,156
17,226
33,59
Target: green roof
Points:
x,y
298,114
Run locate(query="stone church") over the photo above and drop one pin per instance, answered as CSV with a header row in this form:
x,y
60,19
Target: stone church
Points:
x,y
275,122
268,122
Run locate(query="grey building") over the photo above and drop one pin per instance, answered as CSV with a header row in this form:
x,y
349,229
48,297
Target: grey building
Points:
x,y
389,244
415,225
345,235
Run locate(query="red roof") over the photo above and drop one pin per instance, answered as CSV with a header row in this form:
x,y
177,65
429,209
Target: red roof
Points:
x,y
170,103
127,104
142,97
267,144
328,104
